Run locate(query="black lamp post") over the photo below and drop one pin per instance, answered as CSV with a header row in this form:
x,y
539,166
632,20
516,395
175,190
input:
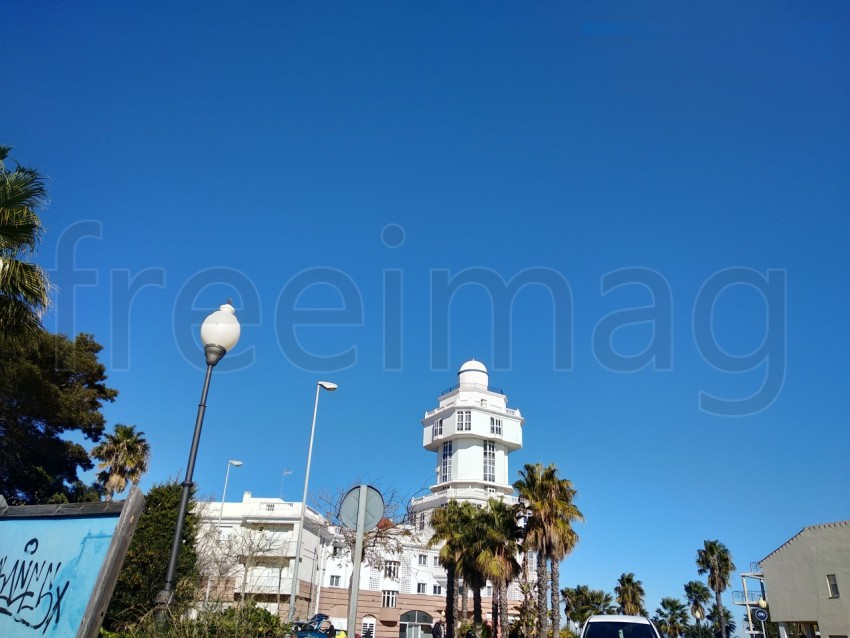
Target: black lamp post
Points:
x,y
219,334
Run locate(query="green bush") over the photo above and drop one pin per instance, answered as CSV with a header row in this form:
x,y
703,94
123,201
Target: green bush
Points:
x,y
249,622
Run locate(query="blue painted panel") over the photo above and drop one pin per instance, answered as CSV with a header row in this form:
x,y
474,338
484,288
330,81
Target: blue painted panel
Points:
x,y
48,569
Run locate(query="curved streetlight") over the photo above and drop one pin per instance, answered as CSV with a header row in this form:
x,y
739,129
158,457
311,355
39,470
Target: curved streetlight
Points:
x,y
219,334
330,387
224,491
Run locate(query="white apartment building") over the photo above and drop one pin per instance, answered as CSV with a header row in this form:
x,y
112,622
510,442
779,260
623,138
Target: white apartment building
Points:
x,y
251,552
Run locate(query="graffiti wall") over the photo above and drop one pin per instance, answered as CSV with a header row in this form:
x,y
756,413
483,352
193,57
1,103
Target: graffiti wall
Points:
x,y
57,571
48,573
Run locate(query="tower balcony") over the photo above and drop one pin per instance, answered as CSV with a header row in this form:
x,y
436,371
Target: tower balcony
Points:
x,y
437,499
472,403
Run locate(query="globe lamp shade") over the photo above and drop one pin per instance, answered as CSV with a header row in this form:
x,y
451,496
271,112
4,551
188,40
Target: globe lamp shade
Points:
x,y
221,328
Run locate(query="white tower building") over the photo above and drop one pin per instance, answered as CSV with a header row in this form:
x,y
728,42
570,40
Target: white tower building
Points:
x,y
471,432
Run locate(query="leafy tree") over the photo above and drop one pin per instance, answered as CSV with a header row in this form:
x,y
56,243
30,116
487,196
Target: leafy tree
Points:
x,y
143,572
698,596
583,602
671,618
716,560
49,386
123,457
24,286
630,594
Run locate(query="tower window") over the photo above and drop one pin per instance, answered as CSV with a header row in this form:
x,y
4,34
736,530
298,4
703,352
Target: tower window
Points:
x,y
464,420
437,428
446,465
490,461
421,588
495,426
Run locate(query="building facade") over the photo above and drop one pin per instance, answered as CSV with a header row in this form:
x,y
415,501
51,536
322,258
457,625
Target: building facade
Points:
x,y
803,580
471,434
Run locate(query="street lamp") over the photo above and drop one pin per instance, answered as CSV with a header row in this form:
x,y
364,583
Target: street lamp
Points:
x,y
219,334
330,387
224,491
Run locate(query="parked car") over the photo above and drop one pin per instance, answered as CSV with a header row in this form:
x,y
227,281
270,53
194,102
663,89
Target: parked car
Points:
x,y
613,626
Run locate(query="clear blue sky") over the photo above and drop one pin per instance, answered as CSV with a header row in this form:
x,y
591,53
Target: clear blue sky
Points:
x,y
349,159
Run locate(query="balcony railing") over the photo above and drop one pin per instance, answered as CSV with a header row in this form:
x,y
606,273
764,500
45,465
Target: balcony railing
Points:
x,y
752,598
477,386
464,493
473,404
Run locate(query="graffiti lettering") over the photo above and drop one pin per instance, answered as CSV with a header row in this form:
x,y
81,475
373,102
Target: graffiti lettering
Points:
x,y
29,589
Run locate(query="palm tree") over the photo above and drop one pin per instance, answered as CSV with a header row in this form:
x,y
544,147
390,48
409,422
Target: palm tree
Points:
x,y
24,287
448,524
123,457
546,503
671,618
698,596
721,620
629,594
564,540
535,487
716,560
467,564
497,559
583,602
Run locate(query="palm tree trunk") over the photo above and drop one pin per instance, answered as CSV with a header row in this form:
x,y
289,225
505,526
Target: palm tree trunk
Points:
x,y
720,615
477,611
542,586
464,604
451,584
495,609
556,597
503,611
526,627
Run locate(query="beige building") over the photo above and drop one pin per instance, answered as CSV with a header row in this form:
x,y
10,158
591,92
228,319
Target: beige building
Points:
x,y
804,579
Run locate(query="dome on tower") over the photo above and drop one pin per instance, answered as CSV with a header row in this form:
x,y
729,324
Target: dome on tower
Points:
x,y
473,373
472,364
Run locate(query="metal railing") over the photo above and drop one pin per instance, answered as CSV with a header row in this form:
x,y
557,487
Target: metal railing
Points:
x,y
752,597
473,404
478,386
463,493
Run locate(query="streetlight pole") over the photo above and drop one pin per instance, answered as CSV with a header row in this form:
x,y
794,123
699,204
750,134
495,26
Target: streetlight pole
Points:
x,y
330,387
224,491
219,334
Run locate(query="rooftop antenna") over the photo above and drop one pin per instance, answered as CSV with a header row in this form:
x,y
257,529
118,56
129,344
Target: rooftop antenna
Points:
x,y
283,475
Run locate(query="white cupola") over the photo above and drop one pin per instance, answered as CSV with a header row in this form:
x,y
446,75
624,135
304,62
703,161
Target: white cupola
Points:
x,y
473,373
